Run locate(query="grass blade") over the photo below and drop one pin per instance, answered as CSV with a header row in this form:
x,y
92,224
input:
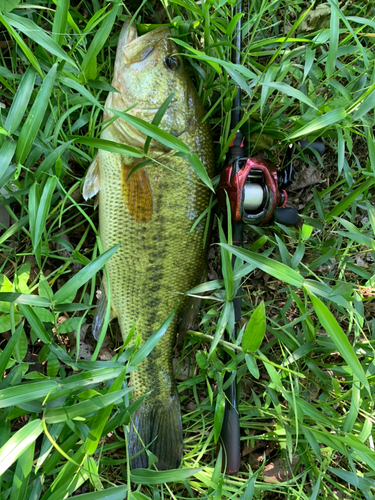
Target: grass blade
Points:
x,y
288,90
20,101
151,130
150,343
320,123
272,267
38,35
83,276
89,67
18,443
255,330
343,345
34,120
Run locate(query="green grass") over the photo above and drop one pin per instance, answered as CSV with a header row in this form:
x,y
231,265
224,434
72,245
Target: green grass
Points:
x,y
305,361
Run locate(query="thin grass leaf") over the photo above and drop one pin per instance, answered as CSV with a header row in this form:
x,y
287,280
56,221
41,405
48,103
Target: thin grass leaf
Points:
x,y
367,104
348,200
20,101
9,348
18,443
118,493
290,91
158,117
83,276
101,418
70,83
199,169
255,330
149,477
6,154
151,342
25,49
84,408
221,325
333,40
38,35
35,323
59,21
343,345
89,66
22,473
112,147
151,130
277,269
219,415
34,119
43,211
320,123
24,298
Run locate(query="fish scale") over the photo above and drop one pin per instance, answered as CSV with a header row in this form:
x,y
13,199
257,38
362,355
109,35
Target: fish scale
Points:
x,y
151,216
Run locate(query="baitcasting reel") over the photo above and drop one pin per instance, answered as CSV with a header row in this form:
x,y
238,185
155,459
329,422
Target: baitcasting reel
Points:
x,y
253,188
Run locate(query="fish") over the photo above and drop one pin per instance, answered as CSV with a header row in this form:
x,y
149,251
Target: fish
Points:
x,y
151,215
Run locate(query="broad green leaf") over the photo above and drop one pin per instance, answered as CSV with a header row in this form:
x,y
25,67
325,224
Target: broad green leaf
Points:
x,y
38,35
151,130
148,477
292,92
276,269
83,276
20,100
255,330
18,443
151,342
319,123
343,345
34,119
112,147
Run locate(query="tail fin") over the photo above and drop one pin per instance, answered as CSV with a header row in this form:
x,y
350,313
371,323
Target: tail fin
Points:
x,y
160,429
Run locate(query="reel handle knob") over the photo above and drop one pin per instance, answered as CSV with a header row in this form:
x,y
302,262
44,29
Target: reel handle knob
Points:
x,y
287,216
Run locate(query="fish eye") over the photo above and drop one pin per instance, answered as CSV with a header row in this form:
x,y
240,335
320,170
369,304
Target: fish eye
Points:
x,y
172,62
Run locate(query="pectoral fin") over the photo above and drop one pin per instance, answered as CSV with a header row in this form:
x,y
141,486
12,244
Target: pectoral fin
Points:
x,y
99,315
91,185
137,192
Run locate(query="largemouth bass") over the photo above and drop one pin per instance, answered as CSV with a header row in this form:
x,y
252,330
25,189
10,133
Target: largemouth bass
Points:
x,y
151,215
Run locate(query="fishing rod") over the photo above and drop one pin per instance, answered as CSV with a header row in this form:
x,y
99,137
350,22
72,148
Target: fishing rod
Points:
x,y
256,193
